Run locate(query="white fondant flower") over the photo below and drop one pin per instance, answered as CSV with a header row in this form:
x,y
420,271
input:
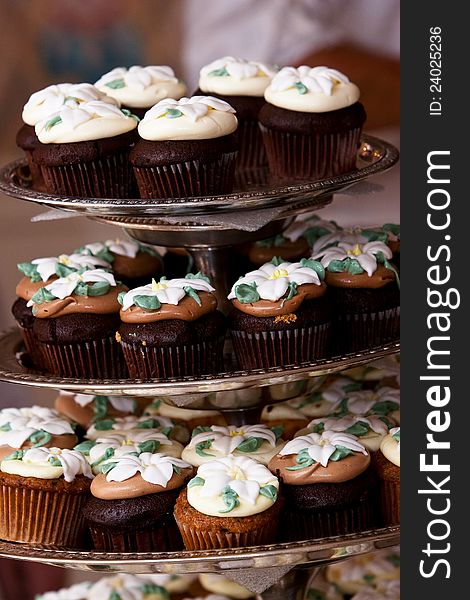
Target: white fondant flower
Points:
x,y
72,462
239,68
46,267
126,443
363,401
194,108
130,423
365,254
154,468
349,236
243,475
65,286
127,248
120,403
304,222
316,79
24,422
227,439
79,591
342,423
7,415
138,77
395,433
272,281
331,394
124,586
169,291
321,446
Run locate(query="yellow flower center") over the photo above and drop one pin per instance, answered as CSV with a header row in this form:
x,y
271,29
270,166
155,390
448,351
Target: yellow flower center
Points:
x,y
236,432
158,286
355,250
278,273
128,442
64,259
237,474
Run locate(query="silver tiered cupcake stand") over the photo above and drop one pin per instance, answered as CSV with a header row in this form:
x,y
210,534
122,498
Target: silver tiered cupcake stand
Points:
x,y
208,228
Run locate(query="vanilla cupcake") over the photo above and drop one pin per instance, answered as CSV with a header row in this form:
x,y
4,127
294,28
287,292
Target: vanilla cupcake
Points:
x,y
218,584
188,148
327,398
383,402
311,123
284,416
387,465
255,441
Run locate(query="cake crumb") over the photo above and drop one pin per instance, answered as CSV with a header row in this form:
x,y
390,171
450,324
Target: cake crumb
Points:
x,y
118,337
289,318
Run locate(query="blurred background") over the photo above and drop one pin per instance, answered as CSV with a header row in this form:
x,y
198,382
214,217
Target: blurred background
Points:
x,y
53,41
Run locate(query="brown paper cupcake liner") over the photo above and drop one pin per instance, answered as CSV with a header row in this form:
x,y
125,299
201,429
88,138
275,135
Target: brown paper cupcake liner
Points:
x,y
45,517
33,348
264,349
359,331
390,501
252,154
307,156
108,177
97,359
37,180
191,178
198,539
163,362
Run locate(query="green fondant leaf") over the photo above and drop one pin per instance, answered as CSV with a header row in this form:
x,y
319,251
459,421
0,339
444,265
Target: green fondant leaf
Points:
x,y
116,84
55,462
396,436
85,447
393,228
315,265
100,406
147,302
352,387
384,408
292,290
300,87
191,292
114,596
98,288
394,559
269,491
278,430
198,275
157,590
222,72
6,427
359,429
340,453
202,446
105,469
246,293
369,578
40,438
342,409
121,297
63,270
173,113
276,261
42,295
375,235
318,428
200,429
312,399
54,121
149,446
303,460
347,265
230,499
277,240
104,424
109,453
30,271
154,404
128,113
313,233
250,444
147,424
381,259
16,455
195,481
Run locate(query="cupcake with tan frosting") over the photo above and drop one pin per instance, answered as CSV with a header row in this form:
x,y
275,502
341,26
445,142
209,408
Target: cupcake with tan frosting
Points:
x,y
139,88
85,409
42,492
171,328
328,485
231,502
132,504
387,465
311,123
242,84
76,318
188,148
84,149
280,316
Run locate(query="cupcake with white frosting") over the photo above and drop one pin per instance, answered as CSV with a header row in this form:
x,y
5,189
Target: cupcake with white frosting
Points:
x,y
311,123
188,148
84,149
231,502
242,84
85,409
387,465
139,88
125,586
78,591
132,503
42,492
284,416
132,423
280,315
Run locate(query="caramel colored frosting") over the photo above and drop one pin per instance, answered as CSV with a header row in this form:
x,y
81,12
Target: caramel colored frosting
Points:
x,y
267,308
103,305
68,441
186,310
26,288
381,277
335,472
134,487
141,265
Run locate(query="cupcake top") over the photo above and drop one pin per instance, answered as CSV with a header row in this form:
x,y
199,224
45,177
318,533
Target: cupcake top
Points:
x,y
329,457
390,446
126,587
358,265
94,291
257,441
133,442
131,476
277,289
384,402
281,411
164,409
187,298
218,584
315,90
47,463
326,399
231,76
141,87
110,250
53,98
386,234
196,118
101,427
37,425
79,591
96,407
83,122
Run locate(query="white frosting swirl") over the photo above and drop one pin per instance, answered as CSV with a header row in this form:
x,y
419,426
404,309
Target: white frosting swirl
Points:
x,y
371,439
236,77
168,291
218,584
79,591
315,90
36,462
361,402
65,286
141,87
126,424
93,120
155,468
51,99
243,476
46,267
196,118
390,446
365,254
21,423
123,586
226,440
272,281
321,446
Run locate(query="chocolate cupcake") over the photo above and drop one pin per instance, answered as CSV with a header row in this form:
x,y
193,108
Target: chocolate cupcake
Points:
x,y
84,150
139,88
363,288
42,491
132,504
280,316
76,318
172,328
231,502
311,123
241,83
328,486
43,103
85,409
387,465
188,148
255,441
132,263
